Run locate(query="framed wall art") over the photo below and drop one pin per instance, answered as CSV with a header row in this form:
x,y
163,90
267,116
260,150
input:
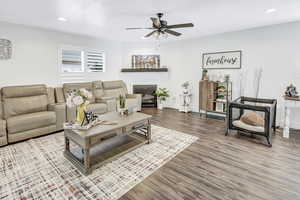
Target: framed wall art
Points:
x,y
222,60
5,49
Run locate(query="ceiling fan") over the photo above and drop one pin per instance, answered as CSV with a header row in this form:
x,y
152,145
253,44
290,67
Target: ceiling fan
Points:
x,y
160,26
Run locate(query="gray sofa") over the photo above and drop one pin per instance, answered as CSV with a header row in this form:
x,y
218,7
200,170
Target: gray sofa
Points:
x,y
30,111
104,99
35,110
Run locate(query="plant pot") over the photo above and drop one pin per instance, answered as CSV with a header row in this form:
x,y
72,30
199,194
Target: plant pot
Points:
x,y
160,106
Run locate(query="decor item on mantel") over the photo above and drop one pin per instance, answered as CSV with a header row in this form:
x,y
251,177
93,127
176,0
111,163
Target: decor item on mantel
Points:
x,y
5,49
162,95
80,99
222,60
146,61
185,98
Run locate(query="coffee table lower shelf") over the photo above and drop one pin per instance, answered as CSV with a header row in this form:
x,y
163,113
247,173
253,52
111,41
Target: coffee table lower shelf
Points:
x,y
103,153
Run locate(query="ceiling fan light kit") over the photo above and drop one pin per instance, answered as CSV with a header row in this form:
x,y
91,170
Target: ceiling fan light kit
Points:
x,y
161,28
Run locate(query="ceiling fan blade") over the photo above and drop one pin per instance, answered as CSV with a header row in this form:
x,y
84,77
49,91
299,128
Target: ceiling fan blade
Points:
x,y
156,22
180,25
137,28
172,32
149,34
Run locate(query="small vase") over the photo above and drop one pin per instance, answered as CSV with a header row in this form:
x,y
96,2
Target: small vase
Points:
x,y
80,113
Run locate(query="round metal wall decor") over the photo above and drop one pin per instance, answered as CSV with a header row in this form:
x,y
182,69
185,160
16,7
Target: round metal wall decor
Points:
x,y
5,49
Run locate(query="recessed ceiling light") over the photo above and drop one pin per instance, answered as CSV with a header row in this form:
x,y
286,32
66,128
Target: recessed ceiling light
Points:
x,y
144,38
271,10
62,19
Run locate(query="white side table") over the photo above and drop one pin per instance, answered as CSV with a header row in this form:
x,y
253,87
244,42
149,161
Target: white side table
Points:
x,y
185,101
288,105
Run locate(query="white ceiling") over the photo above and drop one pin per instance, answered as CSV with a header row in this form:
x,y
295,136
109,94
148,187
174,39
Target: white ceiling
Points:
x,y
109,18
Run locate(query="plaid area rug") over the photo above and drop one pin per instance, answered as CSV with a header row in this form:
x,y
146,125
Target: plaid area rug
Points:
x,y
37,169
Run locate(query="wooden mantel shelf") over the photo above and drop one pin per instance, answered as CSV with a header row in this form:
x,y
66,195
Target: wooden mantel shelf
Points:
x,y
144,70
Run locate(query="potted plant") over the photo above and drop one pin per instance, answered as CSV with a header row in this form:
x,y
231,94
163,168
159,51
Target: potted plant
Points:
x,y
122,104
162,95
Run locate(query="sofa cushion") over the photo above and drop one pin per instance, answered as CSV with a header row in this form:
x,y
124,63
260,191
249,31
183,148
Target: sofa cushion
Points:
x,y
31,133
30,121
23,91
98,89
51,96
24,105
19,100
59,95
113,84
242,125
67,87
2,128
1,110
114,92
97,108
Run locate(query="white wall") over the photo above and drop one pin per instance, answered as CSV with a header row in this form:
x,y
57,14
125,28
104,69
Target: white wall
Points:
x,y
35,55
275,49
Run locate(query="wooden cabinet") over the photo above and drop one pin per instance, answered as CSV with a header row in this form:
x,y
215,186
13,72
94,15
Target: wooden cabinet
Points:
x,y
214,96
207,95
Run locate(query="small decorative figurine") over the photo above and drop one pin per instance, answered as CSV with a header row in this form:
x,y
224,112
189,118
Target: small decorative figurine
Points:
x,y
291,91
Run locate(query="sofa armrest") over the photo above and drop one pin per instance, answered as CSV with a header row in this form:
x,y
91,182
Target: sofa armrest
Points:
x,y
110,101
133,96
104,99
138,98
60,111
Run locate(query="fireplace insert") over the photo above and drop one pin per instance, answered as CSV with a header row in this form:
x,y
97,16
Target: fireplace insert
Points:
x,y
149,98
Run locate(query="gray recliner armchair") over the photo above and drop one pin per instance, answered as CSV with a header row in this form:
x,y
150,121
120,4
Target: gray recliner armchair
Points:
x,y
29,112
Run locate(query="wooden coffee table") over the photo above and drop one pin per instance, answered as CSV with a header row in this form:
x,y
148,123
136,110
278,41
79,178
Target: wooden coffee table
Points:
x,y
103,143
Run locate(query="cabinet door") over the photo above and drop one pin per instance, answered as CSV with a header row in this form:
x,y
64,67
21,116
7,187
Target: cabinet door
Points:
x,y
212,86
203,95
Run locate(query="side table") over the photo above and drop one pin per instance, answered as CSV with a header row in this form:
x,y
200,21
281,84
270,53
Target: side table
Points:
x,y
289,103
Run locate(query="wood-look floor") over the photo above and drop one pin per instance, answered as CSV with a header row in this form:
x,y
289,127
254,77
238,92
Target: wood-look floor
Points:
x,y
218,167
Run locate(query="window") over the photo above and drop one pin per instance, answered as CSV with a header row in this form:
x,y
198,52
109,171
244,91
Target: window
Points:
x,y
95,61
74,60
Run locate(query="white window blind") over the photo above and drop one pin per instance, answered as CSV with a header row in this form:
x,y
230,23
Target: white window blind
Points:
x,y
72,61
95,61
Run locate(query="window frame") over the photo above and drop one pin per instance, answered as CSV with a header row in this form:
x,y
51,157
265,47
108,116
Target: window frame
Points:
x,y
84,59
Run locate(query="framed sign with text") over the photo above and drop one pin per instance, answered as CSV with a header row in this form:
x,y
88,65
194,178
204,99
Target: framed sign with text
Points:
x,y
222,60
